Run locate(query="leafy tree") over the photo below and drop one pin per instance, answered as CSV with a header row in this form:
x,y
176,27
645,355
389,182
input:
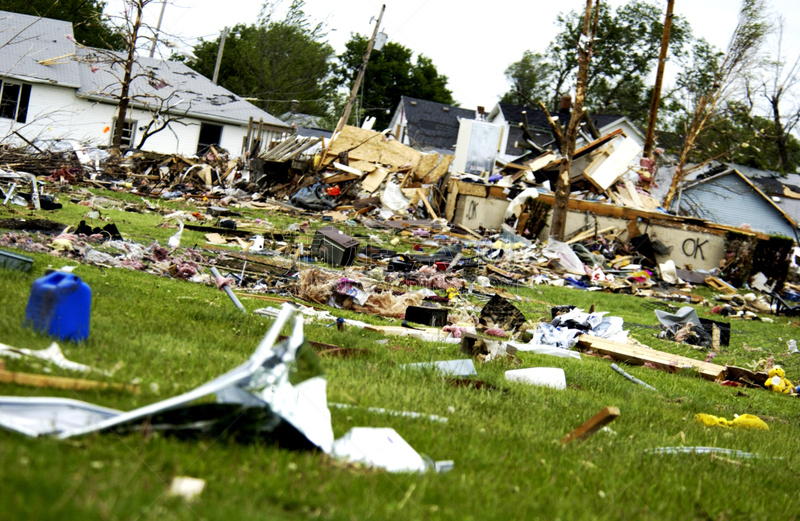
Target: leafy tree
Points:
x,y
778,83
736,136
529,79
390,75
748,36
275,61
626,51
89,25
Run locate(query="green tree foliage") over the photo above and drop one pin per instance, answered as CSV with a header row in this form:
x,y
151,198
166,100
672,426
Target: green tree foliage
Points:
x,y
89,25
738,137
275,61
529,80
390,75
625,52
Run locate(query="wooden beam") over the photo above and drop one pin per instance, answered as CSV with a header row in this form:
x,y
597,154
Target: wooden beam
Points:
x,y
640,355
60,382
594,424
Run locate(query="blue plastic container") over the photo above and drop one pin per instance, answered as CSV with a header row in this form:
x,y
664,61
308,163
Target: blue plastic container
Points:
x,y
60,305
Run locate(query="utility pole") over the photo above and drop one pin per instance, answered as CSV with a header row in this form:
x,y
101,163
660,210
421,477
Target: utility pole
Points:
x,y
356,85
219,55
662,59
158,29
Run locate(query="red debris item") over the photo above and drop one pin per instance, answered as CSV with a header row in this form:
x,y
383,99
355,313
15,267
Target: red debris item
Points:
x,y
334,190
442,266
716,310
496,331
728,383
418,247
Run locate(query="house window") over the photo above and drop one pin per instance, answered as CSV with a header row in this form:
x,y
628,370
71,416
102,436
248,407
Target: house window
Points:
x,y
209,135
14,98
128,133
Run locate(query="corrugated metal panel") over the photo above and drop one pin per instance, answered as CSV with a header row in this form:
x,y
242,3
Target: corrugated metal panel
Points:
x,y
730,200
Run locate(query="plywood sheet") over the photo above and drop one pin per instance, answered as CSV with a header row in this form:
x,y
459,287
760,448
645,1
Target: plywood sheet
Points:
x,y
432,167
374,180
368,145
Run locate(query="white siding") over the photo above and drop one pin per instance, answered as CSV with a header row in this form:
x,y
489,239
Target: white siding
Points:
x,y
55,113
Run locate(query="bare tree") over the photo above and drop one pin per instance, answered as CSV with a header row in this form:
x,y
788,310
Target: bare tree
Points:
x,y
562,190
129,80
747,38
777,86
163,113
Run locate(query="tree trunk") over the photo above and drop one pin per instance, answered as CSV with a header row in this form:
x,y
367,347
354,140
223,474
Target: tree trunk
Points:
x,y
124,100
780,135
562,190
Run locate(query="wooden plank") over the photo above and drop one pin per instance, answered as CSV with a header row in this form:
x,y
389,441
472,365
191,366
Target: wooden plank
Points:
x,y
541,161
341,177
374,180
721,285
424,198
452,197
60,382
349,170
590,233
634,195
594,424
640,355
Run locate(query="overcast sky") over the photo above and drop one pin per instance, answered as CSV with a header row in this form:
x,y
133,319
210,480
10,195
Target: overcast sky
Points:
x,y
470,42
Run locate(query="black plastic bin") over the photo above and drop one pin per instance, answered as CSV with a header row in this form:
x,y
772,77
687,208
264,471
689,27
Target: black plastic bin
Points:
x,y
334,247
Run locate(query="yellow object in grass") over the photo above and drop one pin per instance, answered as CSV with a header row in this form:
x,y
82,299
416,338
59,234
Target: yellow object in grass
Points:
x,y
747,421
777,382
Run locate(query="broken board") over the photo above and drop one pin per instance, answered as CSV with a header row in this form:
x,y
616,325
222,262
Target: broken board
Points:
x,y
594,424
639,355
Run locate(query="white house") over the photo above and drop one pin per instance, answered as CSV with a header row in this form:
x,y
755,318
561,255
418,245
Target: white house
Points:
x,y
53,89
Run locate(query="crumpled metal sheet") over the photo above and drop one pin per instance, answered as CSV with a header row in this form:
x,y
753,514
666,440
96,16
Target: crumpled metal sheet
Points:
x,y
278,394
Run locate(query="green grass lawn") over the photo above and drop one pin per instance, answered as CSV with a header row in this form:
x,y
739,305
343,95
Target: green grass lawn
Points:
x,y
170,336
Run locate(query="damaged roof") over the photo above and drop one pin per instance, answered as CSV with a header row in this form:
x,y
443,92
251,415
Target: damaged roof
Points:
x,y
26,40
729,197
157,80
432,124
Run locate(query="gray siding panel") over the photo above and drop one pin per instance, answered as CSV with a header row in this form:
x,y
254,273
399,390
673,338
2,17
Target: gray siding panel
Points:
x,y
731,201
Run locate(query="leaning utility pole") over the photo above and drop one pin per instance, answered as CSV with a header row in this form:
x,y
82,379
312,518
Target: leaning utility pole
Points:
x,y
158,29
662,59
354,92
219,55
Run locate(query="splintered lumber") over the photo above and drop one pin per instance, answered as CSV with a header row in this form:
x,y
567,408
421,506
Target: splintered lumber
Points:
x,y
721,285
590,233
639,355
374,180
431,212
60,382
594,424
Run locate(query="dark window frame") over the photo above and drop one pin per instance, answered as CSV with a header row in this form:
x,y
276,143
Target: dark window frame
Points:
x,y
16,109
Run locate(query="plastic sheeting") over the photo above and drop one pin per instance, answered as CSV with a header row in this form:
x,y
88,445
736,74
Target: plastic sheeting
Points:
x,y
279,394
566,258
